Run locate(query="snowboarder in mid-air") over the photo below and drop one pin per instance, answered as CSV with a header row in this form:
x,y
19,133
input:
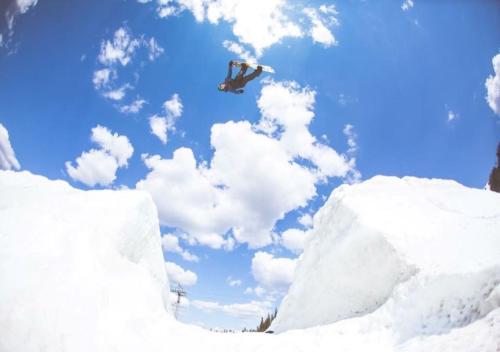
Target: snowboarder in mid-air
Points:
x,y
235,85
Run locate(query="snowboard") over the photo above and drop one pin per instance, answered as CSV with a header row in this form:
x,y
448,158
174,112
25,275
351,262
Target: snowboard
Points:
x,y
265,68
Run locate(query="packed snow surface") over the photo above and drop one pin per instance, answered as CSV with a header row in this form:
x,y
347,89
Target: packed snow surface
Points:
x,y
391,265
78,270
422,255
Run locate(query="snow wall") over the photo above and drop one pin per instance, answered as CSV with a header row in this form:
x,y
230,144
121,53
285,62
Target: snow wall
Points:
x,y
79,270
397,265
422,256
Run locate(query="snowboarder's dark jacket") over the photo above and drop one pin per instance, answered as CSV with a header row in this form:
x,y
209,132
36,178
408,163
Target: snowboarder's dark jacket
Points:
x,y
236,85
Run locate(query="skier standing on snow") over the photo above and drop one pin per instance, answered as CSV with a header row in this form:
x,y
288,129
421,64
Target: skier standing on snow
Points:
x,y
235,85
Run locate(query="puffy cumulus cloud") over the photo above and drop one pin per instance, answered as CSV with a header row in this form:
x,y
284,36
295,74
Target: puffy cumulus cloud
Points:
x,y
184,196
117,146
120,49
294,240
173,107
493,86
258,25
261,182
288,109
116,53
102,77
252,309
407,5
258,173
10,10
160,124
177,275
322,20
8,159
99,166
170,243
273,274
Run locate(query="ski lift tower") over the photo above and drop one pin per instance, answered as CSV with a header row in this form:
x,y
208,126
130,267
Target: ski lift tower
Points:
x,y
180,292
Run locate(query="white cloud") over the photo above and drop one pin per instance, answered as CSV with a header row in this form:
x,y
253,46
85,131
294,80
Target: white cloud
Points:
x,y
120,49
119,93
184,197
170,243
102,77
116,53
254,178
25,5
134,107
284,105
407,5
259,291
259,26
351,139
8,159
493,86
158,127
306,220
354,175
294,240
233,282
273,274
155,50
117,146
100,166
172,109
177,275
16,8
252,309
239,50
93,167
322,20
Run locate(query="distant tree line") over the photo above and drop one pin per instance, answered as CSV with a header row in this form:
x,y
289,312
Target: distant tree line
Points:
x,y
494,181
264,323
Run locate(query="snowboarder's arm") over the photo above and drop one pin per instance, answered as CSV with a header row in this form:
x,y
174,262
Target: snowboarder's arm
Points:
x,y
238,91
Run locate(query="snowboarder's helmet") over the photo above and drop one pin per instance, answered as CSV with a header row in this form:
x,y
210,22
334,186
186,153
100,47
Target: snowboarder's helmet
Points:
x,y
221,87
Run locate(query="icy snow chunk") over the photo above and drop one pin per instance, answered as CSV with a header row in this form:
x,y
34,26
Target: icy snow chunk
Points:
x,y
423,255
79,270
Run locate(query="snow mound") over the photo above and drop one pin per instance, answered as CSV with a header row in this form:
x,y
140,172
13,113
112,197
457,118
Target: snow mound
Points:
x,y
418,257
394,265
79,270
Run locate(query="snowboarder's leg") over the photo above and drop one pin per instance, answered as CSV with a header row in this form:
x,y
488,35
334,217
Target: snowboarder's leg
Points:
x,y
253,75
229,71
243,69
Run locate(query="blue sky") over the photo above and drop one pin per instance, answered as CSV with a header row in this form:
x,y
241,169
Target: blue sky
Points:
x,y
384,89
